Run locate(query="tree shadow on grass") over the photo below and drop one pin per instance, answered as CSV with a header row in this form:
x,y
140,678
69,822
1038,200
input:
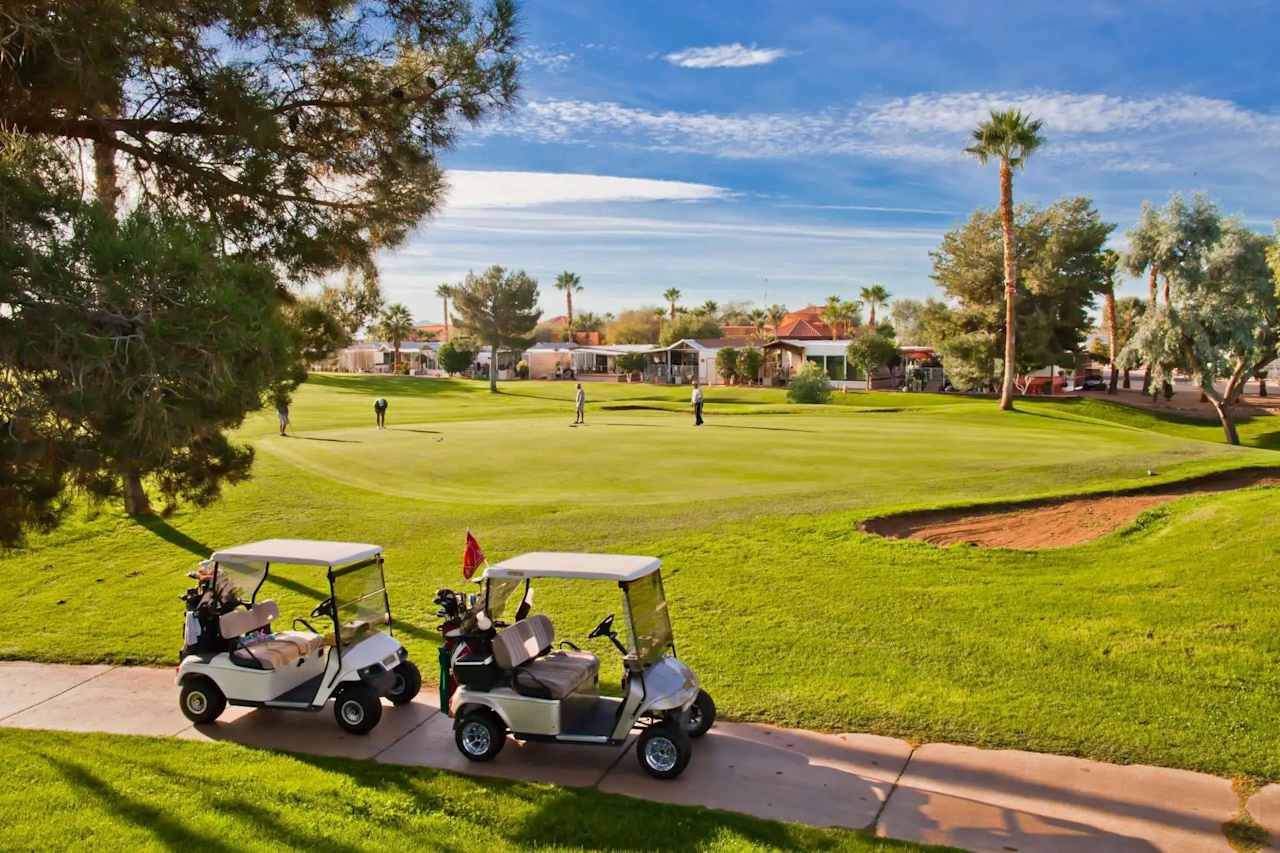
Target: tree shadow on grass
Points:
x,y
157,525
332,440
768,429
410,429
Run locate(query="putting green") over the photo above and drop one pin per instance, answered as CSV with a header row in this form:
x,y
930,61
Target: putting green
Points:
x,y
653,457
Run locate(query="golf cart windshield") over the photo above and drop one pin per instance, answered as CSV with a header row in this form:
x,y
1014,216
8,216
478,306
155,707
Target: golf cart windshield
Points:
x,y
239,581
360,600
647,618
496,595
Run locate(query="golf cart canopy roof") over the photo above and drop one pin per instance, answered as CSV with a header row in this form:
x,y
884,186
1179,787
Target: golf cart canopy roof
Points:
x,y
301,552
553,564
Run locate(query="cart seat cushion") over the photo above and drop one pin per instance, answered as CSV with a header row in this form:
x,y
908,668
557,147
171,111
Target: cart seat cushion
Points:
x,y
282,650
237,623
557,675
522,642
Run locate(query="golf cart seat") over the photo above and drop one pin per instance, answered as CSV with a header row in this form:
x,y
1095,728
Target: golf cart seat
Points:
x,y
283,649
524,649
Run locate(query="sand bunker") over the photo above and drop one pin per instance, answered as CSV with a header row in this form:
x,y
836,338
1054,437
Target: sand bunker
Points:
x,y
1054,523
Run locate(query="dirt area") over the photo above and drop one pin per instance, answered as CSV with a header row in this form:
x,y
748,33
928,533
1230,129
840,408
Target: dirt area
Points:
x,y
1055,523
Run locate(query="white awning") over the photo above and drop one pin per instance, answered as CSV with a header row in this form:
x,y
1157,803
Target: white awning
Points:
x,y
551,564
302,552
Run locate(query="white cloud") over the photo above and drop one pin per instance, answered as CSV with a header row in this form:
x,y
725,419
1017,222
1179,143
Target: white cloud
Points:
x,y
549,60
483,189
725,56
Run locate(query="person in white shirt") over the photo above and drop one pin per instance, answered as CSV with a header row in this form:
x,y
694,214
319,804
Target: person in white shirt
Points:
x,y
580,403
696,399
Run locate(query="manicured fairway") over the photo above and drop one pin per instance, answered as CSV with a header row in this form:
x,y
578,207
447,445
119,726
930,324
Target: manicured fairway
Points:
x,y
1157,644
102,792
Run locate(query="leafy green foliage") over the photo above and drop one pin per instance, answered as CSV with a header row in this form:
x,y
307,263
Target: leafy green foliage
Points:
x,y
1009,136
727,363
809,384
871,351
500,309
457,355
750,360
689,326
632,362
636,326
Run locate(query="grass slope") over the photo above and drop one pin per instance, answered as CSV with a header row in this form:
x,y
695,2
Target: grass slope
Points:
x,y
106,792
1151,646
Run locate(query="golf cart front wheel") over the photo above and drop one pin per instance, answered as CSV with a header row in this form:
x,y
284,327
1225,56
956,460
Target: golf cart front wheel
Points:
x,y
357,709
702,715
664,750
480,735
408,681
201,700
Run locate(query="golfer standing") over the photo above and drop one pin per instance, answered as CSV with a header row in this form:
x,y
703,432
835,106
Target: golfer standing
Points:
x,y
580,405
696,399
282,412
380,412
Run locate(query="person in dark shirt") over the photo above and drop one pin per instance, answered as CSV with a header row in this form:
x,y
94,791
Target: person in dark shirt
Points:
x,y
380,412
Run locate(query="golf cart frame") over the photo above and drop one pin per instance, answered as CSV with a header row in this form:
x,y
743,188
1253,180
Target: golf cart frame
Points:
x,y
230,656
512,679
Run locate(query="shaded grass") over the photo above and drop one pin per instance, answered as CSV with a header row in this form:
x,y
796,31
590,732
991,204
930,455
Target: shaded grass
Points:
x,y
109,792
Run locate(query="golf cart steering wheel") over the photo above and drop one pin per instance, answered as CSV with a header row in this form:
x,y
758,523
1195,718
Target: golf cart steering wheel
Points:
x,y
604,629
324,608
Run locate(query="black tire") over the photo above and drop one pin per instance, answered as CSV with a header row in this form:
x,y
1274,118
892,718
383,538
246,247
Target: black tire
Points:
x,y
664,750
357,708
407,684
201,700
702,715
479,735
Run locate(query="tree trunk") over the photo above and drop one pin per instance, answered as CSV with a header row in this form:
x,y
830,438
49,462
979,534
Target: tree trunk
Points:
x,y
1111,335
873,318
1262,386
395,360
135,496
493,368
1166,291
1010,283
568,298
1151,304
1126,384
446,319
1223,409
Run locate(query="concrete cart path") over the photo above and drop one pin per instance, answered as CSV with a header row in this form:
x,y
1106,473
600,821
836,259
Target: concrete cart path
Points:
x,y
972,798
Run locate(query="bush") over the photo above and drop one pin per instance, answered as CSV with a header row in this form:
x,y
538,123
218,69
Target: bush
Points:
x,y
809,385
689,326
456,356
727,363
750,361
522,369
632,362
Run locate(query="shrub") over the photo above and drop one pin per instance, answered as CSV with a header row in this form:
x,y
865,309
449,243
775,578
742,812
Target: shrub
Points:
x,y
689,326
457,356
750,361
727,363
632,362
809,385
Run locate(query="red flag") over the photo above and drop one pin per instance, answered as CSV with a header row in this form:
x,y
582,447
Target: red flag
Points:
x,y
472,557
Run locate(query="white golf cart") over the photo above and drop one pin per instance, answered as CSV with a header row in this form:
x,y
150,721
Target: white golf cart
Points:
x,y
231,655
510,679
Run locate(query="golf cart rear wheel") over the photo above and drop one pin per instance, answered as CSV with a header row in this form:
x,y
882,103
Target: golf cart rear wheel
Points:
x,y
480,735
357,709
408,681
664,750
201,700
702,715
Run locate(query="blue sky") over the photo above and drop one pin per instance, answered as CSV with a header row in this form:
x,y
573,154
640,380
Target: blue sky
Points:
x,y
781,152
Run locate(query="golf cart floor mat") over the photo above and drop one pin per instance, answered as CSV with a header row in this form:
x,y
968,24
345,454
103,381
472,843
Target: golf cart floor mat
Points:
x,y
594,715
303,693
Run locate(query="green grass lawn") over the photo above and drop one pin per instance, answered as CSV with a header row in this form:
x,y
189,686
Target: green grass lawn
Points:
x,y
107,792
1156,645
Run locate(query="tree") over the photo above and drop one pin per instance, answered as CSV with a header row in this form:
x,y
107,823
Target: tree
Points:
x,y
1060,269
637,326
916,322
711,308
456,355
840,315
588,321
750,360
632,362
727,363
1129,312
445,291
395,326
320,332
776,313
127,348
689,326
1222,320
809,384
872,297
500,309
358,301
570,283
1010,137
1110,261
871,351
306,133
759,319
671,295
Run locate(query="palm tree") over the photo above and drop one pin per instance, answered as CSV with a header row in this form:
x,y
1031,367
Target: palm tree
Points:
x,y
1110,261
759,317
672,295
1011,137
396,326
873,297
710,307
840,314
776,313
445,291
570,284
